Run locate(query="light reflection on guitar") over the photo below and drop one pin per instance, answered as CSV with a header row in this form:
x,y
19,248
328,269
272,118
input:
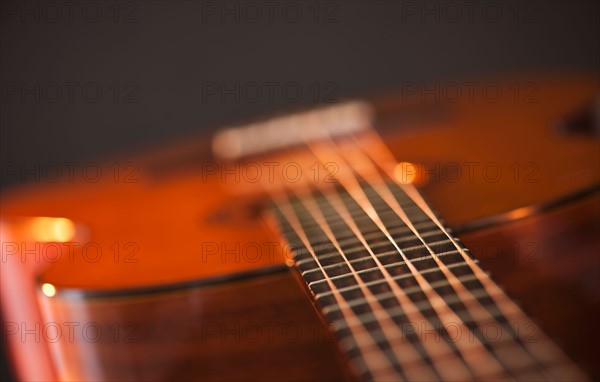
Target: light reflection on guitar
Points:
x,y
181,270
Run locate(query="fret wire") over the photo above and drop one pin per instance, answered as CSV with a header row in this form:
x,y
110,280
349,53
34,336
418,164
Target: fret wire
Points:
x,y
516,348
407,291
494,344
353,213
352,186
458,287
530,372
414,209
301,235
400,310
387,266
500,298
390,283
411,192
497,343
358,249
373,235
429,212
314,229
460,372
456,370
382,255
383,191
381,314
328,210
339,298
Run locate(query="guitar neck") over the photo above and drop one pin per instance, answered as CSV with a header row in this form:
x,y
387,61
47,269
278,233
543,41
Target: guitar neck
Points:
x,y
404,298
408,302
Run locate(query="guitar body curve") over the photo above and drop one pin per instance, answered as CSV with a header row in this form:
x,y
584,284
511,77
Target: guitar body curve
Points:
x,y
184,279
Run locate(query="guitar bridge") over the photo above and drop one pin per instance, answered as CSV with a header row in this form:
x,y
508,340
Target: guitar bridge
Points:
x,y
255,139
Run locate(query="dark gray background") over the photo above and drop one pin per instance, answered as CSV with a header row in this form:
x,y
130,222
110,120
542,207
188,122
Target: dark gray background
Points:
x,y
166,51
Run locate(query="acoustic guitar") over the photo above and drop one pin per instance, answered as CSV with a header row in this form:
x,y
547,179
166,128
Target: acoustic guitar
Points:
x,y
407,237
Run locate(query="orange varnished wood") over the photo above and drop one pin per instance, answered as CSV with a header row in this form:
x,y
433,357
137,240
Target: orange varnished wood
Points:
x,y
500,135
175,215
236,331
549,263
243,331
172,219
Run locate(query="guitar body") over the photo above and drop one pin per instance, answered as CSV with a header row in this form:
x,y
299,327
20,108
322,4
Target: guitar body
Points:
x,y
185,280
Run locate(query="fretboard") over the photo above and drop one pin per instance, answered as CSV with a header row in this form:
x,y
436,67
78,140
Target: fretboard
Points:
x,y
408,302
405,299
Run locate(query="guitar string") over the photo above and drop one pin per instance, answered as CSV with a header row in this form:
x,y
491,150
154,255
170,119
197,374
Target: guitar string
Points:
x,y
421,371
429,213
470,352
386,370
410,356
449,373
474,306
476,310
381,155
458,371
363,201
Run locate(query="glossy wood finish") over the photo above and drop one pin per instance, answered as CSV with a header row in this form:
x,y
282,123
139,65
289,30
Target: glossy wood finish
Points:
x,y
236,331
175,214
522,139
244,331
549,263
